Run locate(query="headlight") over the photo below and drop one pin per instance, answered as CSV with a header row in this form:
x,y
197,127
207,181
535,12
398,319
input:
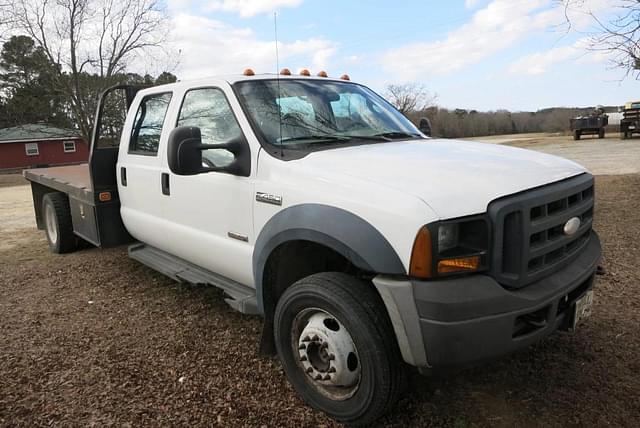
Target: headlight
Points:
x,y
447,236
450,247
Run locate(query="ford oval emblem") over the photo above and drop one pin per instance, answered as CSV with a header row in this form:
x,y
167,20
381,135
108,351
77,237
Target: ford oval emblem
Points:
x,y
571,226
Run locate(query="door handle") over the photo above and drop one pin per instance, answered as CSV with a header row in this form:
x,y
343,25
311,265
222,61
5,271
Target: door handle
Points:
x,y
165,184
123,176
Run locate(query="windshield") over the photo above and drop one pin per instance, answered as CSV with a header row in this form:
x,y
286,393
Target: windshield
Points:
x,y
311,114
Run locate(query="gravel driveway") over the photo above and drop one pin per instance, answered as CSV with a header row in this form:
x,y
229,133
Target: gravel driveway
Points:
x,y
607,156
96,339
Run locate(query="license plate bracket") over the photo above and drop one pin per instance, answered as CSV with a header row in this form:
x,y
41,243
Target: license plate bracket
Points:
x,y
582,309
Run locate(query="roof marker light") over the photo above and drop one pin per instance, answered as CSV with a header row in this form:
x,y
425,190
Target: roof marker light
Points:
x,y
248,72
323,74
345,77
285,72
305,72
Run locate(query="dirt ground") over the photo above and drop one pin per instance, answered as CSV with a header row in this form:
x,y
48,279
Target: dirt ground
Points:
x,y
96,339
607,156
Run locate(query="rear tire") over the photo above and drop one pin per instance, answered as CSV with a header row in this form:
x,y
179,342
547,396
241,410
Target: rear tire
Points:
x,y
58,224
601,133
576,135
366,375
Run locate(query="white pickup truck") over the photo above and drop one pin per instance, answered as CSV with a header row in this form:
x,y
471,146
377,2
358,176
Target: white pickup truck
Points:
x,y
366,246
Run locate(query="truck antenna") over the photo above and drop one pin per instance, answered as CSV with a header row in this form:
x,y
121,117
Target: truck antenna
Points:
x,y
275,31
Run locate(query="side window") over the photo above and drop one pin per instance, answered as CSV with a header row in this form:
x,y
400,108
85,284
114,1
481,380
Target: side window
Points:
x,y
147,126
209,110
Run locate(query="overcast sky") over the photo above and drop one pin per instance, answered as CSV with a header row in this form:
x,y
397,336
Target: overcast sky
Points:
x,y
481,54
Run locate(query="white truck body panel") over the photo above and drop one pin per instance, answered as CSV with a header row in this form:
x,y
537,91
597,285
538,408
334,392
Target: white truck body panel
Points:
x,y
397,186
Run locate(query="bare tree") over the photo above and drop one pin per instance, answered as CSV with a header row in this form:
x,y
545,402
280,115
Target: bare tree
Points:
x,y
410,97
89,38
617,33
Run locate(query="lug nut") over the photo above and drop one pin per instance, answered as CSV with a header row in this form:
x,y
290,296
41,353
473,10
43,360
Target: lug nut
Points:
x,y
332,370
332,357
326,377
318,377
306,339
302,346
315,337
303,358
309,369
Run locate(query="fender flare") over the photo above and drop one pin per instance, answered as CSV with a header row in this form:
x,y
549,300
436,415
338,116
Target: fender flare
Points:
x,y
342,231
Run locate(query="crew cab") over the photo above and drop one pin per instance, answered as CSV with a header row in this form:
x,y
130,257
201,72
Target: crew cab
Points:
x,y
366,246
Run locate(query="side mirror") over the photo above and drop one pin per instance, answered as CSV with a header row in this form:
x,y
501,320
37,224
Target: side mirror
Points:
x,y
425,126
184,153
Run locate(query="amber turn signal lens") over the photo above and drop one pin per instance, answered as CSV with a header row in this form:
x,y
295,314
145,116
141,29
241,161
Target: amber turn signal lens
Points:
x,y
420,266
462,264
104,196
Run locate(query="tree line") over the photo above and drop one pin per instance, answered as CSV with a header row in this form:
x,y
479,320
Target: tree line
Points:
x,y
29,92
63,53
457,123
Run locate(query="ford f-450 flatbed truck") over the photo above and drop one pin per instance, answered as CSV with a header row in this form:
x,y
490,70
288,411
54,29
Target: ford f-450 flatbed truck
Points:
x,y
366,246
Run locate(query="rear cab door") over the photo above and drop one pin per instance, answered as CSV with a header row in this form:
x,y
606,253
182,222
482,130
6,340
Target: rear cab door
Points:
x,y
139,169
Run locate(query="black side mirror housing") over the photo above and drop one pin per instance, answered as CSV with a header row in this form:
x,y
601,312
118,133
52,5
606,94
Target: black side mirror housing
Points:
x,y
425,126
184,153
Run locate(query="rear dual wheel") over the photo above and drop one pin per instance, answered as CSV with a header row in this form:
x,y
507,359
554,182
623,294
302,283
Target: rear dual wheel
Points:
x,y
57,223
337,347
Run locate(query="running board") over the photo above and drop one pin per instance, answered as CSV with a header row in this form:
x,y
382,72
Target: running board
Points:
x,y
241,297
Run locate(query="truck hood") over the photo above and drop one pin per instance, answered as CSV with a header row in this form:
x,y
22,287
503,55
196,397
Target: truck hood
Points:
x,y
455,178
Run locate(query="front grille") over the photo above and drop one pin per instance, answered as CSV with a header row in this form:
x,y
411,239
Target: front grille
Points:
x,y
529,240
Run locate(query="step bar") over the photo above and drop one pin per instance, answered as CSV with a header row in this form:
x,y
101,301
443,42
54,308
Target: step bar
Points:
x,y
240,297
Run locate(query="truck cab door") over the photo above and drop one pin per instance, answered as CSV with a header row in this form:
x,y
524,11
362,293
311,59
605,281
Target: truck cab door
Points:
x,y
140,180
210,214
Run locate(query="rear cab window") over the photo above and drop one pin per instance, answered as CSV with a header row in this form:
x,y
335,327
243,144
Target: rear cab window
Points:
x,y
148,123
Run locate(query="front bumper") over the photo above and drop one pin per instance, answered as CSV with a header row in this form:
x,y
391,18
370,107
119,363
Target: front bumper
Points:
x,y
462,321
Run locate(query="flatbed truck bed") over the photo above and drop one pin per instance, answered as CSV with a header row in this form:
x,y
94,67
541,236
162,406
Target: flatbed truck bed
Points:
x,y
73,180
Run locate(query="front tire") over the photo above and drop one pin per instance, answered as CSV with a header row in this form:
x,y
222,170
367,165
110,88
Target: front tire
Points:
x,y
576,135
58,224
338,348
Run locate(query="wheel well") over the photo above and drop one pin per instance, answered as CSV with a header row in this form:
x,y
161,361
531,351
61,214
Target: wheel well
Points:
x,y
290,262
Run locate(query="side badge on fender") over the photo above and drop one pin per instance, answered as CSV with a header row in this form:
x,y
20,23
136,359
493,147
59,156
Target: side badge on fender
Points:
x,y
269,198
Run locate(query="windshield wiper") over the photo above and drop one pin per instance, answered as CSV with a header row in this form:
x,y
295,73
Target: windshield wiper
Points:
x,y
321,137
397,134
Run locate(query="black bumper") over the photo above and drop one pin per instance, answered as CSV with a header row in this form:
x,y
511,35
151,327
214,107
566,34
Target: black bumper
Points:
x,y
472,319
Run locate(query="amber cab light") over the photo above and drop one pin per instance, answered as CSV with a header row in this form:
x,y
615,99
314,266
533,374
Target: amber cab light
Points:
x,y
285,72
248,72
305,72
461,264
420,266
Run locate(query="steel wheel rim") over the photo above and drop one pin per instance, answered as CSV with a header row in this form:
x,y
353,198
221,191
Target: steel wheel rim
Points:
x,y
50,218
326,354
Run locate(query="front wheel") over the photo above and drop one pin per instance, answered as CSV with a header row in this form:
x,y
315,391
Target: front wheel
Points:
x,y
338,348
576,135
